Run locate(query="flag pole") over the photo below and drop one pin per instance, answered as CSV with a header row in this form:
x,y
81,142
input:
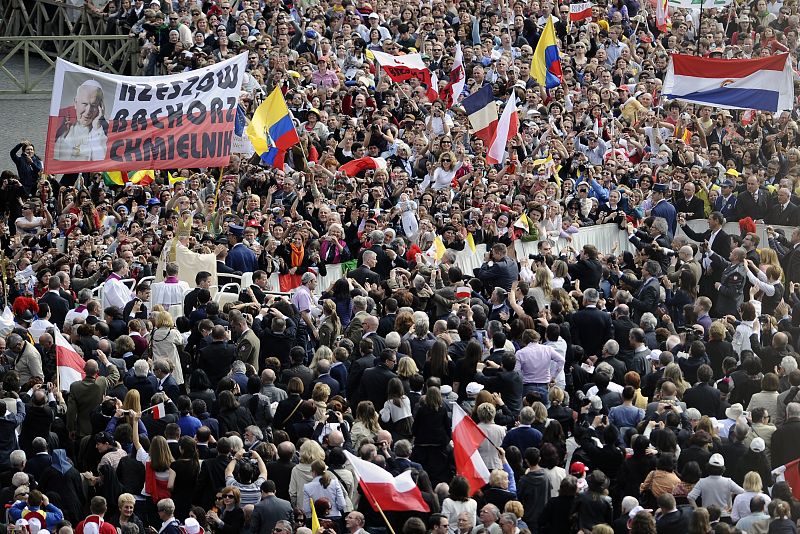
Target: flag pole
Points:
x,y
699,29
380,511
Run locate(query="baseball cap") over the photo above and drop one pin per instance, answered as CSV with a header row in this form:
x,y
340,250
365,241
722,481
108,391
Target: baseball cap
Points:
x,y
717,460
758,445
473,388
577,468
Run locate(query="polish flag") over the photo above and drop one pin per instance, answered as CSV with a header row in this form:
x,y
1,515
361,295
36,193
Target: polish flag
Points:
x,y
390,494
580,11
507,127
357,166
463,292
402,68
467,437
68,362
451,94
158,411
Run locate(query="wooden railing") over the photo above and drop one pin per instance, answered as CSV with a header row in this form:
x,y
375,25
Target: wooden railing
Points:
x,y
39,31
106,53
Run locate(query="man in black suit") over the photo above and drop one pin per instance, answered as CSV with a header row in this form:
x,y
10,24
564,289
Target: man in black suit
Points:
x,y
672,518
383,264
280,470
370,325
216,357
358,368
324,371
499,270
212,475
587,269
647,290
374,381
59,307
784,212
277,336
364,274
719,242
704,396
40,460
166,382
506,381
621,321
590,327
657,234
202,280
752,202
789,256
386,324
689,204
270,510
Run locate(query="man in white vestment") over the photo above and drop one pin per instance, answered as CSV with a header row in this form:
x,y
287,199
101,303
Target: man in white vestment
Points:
x,y
85,139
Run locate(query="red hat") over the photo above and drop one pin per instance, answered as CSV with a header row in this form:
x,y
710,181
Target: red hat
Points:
x,y
253,223
577,468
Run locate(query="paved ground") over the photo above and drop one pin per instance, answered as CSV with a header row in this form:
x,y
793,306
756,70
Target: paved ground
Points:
x,y
23,116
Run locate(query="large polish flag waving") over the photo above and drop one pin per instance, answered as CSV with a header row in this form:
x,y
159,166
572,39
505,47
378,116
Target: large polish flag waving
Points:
x,y
391,494
68,362
467,437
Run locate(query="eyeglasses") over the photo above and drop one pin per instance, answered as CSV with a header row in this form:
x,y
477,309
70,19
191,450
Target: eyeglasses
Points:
x,y
447,160
218,497
228,496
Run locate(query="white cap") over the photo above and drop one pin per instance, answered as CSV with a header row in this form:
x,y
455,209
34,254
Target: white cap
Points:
x,y
446,390
636,509
192,526
717,460
473,388
758,445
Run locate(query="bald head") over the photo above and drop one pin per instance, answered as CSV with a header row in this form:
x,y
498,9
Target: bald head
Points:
x,y
738,254
336,438
685,253
267,376
370,323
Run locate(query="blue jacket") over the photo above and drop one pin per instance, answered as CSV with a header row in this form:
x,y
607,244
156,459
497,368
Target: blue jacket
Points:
x,y
241,258
52,515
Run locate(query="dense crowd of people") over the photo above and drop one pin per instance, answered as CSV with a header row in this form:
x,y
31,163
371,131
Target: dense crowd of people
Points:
x,y
648,389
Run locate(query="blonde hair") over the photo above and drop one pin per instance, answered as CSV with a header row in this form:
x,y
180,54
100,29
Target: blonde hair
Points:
x,y
321,392
132,402
311,451
514,507
673,373
752,482
125,498
322,353
163,319
542,279
407,367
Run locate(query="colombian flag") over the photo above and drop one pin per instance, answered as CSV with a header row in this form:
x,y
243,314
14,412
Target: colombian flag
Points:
x,y
271,131
546,63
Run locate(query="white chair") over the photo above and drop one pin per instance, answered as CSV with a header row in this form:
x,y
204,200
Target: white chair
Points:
x,y
247,279
176,310
149,279
232,285
223,298
213,290
130,282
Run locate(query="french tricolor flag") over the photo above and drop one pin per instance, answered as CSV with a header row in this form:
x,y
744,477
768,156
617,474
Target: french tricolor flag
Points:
x,y
765,84
482,113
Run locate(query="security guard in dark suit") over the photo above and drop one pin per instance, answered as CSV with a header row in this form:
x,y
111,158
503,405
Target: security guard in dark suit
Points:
x,y
730,288
726,202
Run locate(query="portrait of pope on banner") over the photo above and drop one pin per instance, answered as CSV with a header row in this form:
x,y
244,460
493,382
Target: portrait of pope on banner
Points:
x,y
83,135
